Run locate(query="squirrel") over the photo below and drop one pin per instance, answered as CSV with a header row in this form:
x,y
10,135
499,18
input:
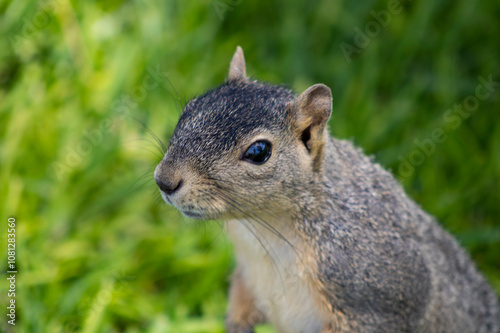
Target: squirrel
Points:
x,y
325,239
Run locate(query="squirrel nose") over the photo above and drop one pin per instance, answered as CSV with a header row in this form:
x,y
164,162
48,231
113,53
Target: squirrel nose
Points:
x,y
169,186
168,178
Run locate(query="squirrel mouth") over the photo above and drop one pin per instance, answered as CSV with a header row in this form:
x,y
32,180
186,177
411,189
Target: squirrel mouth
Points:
x,y
195,215
192,214
200,215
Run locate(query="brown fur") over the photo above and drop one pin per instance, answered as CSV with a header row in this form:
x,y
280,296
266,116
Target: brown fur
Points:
x,y
325,239
242,312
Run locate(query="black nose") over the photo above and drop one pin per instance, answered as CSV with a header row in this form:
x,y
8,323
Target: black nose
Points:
x,y
169,187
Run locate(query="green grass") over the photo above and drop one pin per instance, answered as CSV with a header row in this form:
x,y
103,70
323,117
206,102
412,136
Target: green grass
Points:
x,y
97,250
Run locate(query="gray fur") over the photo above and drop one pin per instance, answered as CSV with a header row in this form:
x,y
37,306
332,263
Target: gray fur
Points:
x,y
385,263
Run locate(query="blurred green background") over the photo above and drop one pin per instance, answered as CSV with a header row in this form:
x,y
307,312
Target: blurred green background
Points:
x,y
84,83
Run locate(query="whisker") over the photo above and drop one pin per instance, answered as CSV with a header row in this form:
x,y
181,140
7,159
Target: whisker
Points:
x,y
245,199
142,180
212,207
158,198
228,189
269,254
254,217
159,153
179,106
260,220
150,132
265,224
211,196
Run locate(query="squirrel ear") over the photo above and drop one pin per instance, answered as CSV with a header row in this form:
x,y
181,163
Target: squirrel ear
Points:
x,y
313,107
237,69
310,113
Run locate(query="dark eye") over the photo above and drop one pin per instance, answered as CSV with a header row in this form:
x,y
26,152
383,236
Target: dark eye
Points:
x,y
258,153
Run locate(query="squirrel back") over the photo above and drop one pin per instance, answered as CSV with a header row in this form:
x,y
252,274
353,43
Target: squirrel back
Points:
x,y
395,251
326,240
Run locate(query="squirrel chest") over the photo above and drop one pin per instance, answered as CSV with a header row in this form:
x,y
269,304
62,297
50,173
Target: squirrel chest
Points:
x,y
279,277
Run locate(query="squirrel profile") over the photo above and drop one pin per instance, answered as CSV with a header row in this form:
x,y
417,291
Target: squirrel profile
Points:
x,y
325,239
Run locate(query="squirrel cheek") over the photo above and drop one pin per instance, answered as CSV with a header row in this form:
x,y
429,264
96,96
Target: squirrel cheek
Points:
x,y
303,159
259,172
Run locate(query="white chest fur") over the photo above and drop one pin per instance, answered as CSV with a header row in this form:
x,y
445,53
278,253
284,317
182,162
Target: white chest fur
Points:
x,y
279,277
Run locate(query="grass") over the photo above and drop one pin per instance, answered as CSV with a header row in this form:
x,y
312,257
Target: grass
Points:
x,y
97,250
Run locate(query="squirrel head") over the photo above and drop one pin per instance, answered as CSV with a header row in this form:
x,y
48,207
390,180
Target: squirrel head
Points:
x,y
244,148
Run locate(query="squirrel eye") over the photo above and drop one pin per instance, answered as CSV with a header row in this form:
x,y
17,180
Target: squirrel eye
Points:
x,y
258,153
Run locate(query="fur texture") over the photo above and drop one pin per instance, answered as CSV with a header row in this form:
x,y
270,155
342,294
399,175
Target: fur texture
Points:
x,y
326,240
